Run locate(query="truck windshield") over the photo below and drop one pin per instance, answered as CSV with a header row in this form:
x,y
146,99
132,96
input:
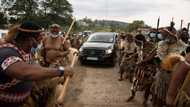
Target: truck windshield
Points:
x,y
101,38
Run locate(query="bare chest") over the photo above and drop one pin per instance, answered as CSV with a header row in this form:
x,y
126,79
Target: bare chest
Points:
x,y
53,44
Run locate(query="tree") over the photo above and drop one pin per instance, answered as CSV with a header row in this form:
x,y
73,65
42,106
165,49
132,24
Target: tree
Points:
x,y
24,9
3,19
58,11
135,25
44,12
6,4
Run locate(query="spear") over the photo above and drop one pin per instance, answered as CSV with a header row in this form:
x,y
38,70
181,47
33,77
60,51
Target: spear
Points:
x,y
158,24
188,27
170,24
157,28
181,24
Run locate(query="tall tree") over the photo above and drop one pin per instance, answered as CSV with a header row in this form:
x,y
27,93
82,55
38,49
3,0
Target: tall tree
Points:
x,y
135,25
3,19
24,9
44,12
6,4
58,11
4,9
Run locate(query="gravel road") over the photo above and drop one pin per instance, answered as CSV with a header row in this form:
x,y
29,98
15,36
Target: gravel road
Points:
x,y
98,86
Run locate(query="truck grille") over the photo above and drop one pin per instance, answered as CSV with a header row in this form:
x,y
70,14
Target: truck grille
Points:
x,y
93,52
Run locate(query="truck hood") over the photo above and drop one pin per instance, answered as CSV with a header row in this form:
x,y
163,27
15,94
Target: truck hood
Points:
x,y
97,45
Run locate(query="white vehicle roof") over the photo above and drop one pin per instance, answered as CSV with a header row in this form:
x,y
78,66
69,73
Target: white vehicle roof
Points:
x,y
3,31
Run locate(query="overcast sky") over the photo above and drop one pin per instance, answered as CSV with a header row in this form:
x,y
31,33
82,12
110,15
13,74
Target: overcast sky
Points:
x,y
129,10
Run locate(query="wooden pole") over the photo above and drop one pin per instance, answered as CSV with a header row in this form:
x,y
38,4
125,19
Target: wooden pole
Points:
x,y
68,32
188,27
184,88
60,99
181,24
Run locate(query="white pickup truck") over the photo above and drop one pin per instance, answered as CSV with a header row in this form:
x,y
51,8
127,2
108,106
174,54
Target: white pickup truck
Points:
x,y
3,32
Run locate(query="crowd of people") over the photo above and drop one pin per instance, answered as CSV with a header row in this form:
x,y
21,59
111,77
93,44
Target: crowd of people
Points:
x,y
35,63
158,65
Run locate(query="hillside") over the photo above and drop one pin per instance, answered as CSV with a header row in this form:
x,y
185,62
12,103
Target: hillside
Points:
x,y
101,25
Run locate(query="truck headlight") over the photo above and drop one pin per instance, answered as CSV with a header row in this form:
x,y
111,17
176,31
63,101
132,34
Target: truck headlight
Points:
x,y
109,51
81,49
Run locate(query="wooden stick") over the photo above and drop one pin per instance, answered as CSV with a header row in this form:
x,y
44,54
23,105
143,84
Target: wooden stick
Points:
x,y
188,26
68,32
60,99
181,24
74,59
183,88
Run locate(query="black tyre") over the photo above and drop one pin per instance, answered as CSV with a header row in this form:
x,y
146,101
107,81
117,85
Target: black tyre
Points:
x,y
112,62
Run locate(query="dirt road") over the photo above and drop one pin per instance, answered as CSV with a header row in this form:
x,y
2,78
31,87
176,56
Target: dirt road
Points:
x,y
94,86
